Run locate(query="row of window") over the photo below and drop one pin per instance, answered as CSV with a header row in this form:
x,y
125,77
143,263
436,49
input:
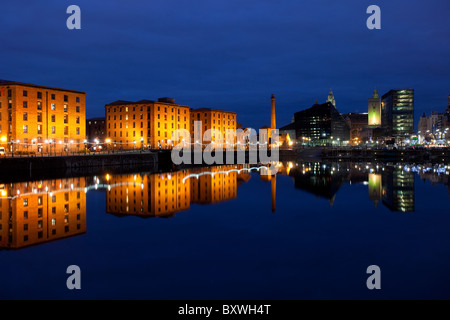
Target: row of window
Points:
x,y
218,122
141,116
120,109
40,234
52,106
52,118
39,96
53,129
53,222
229,116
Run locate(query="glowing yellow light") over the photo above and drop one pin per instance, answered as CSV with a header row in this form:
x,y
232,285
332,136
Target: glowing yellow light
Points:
x,y
3,139
107,177
4,193
108,140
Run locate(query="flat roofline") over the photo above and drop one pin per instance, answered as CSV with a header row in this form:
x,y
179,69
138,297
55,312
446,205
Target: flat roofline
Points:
x,y
123,103
210,109
7,82
392,90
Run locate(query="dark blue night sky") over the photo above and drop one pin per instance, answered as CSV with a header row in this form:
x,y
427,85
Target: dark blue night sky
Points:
x,y
231,54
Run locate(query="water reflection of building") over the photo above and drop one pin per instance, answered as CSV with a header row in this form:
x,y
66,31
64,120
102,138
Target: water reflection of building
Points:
x,y
155,195
215,187
164,194
273,184
398,189
36,212
375,188
323,180
436,177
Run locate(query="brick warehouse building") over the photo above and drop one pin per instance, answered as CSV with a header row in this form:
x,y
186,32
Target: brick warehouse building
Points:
x,y
212,119
149,123
144,123
36,118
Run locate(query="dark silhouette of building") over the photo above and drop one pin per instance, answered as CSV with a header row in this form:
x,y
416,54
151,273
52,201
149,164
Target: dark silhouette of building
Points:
x,y
358,123
322,124
397,112
96,129
322,180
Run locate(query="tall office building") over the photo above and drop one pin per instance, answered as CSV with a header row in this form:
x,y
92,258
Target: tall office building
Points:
x,y
397,112
36,118
374,118
321,124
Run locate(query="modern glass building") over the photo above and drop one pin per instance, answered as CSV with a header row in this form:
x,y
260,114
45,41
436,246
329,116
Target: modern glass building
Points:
x,y
397,112
322,124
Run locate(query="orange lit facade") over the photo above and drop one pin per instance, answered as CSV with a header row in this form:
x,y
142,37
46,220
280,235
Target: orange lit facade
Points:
x,y
41,119
144,123
165,194
36,212
212,119
157,195
215,187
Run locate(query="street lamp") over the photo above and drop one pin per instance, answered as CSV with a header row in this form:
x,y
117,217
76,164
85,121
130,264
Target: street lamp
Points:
x,y
108,142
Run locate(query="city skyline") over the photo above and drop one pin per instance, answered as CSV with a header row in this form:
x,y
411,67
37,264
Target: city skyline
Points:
x,y
232,56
